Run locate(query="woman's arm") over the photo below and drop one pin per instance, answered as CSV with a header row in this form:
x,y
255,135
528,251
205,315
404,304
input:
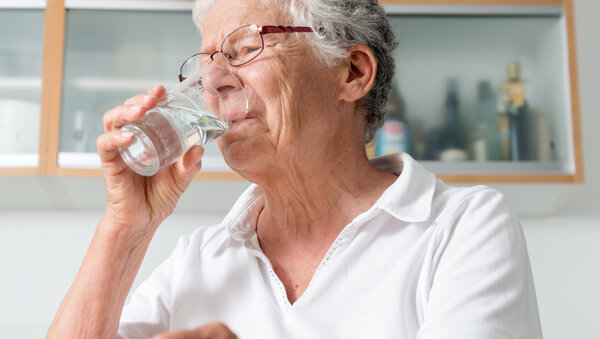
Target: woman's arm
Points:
x,y
93,304
135,208
482,287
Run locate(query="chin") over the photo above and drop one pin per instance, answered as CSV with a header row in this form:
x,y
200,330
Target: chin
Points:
x,y
237,154
246,157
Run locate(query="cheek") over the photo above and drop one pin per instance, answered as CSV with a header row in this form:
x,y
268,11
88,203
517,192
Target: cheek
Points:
x,y
271,97
288,101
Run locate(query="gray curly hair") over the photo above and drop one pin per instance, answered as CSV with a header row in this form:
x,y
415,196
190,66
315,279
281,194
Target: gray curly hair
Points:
x,y
339,24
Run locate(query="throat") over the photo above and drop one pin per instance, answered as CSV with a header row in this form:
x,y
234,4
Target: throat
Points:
x,y
295,254
296,277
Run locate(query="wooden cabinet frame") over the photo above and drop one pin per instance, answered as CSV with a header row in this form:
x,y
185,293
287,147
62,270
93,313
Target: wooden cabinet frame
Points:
x,y
54,33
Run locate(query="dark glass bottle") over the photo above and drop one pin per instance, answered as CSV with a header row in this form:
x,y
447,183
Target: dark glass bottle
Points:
x,y
485,143
453,145
519,115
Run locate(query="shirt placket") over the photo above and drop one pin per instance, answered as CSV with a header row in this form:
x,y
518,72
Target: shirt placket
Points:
x,y
342,240
280,293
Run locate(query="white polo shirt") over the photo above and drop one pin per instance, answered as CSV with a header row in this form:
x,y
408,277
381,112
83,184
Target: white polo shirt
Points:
x,y
426,261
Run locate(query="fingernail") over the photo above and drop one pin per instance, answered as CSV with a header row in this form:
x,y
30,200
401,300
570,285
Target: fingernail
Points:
x,y
126,134
135,108
149,97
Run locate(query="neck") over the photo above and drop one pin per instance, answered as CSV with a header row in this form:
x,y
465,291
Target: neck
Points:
x,y
305,204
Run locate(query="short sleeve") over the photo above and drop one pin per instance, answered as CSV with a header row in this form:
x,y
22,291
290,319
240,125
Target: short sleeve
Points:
x,y
148,311
482,286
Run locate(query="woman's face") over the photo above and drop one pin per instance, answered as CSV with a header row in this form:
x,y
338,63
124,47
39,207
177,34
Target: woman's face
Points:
x,y
293,99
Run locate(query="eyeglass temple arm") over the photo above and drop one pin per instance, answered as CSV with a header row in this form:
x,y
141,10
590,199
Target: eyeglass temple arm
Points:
x,y
284,29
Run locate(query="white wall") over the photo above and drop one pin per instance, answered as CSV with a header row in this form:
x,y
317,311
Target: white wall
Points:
x,y
563,246
40,250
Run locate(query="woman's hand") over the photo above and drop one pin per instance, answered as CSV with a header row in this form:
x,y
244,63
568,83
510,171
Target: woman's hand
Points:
x,y
210,331
133,201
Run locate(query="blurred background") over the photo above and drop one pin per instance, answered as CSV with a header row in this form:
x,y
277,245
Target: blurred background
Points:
x,y
476,93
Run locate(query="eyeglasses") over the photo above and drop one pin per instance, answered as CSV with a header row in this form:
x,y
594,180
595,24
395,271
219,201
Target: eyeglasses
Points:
x,y
239,47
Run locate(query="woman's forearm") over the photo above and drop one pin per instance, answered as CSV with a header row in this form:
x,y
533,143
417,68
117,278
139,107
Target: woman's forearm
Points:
x,y
93,304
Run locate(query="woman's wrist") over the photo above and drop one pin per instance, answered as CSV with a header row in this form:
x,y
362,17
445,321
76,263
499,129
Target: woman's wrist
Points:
x,y
126,226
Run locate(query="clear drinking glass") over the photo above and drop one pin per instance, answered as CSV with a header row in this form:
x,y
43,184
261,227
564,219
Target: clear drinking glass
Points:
x,y
195,112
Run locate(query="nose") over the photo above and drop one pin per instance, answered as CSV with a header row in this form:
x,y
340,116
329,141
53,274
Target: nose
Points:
x,y
218,81
225,93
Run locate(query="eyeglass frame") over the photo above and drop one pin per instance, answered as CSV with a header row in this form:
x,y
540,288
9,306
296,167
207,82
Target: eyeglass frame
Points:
x,y
262,30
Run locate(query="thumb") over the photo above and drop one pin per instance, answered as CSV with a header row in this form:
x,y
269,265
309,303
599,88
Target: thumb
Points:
x,y
189,164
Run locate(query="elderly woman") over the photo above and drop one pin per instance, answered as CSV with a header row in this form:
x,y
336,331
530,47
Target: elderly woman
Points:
x,y
324,244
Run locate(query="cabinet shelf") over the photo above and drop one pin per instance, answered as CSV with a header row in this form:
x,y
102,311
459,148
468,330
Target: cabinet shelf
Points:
x,y
18,83
497,167
154,5
24,160
115,84
84,160
474,10
23,4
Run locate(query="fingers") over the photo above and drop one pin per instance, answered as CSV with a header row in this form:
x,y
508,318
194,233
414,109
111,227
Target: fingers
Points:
x,y
192,159
133,108
210,331
108,144
121,115
188,166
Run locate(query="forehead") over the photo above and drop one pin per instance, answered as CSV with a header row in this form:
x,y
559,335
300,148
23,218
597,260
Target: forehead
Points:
x,y
227,15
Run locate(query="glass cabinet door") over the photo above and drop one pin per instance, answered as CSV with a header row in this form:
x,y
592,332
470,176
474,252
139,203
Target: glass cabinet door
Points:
x,y
111,55
481,92
21,45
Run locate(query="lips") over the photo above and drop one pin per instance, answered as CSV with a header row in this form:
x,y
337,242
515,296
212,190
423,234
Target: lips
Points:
x,y
240,119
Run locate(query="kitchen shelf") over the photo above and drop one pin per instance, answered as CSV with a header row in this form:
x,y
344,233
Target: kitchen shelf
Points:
x,y
124,5
117,85
22,4
20,83
472,10
84,160
495,167
19,160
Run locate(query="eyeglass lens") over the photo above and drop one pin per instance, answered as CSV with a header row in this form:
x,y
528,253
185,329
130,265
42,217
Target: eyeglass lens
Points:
x,y
238,48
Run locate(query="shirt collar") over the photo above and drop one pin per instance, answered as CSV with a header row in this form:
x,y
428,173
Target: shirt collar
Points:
x,y
241,219
409,198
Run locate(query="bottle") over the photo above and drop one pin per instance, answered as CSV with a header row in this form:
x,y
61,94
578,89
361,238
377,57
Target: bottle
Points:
x,y
516,108
80,135
453,149
393,136
544,145
485,144
419,143
504,133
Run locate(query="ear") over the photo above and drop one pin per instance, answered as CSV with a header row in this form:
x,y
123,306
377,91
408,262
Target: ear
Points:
x,y
359,73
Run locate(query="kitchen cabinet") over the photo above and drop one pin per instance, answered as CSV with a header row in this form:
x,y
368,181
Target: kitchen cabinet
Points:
x,y
98,53
451,88
21,41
